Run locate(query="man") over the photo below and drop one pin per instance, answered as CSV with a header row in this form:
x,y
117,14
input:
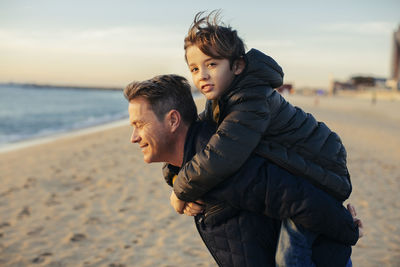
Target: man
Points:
x,y
241,217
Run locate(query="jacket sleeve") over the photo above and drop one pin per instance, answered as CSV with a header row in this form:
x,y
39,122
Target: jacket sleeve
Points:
x,y
293,197
239,133
169,172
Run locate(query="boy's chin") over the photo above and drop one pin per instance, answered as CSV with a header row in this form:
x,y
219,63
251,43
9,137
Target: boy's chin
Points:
x,y
210,96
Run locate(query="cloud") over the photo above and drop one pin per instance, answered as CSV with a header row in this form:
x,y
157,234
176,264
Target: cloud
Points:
x,y
363,28
111,55
272,43
115,40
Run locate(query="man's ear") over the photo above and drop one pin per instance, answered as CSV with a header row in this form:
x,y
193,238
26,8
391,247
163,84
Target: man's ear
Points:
x,y
238,66
174,119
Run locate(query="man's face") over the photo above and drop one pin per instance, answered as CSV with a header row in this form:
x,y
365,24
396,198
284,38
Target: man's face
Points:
x,y
211,76
148,132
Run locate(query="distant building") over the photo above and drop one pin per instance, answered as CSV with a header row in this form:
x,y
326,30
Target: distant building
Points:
x,y
359,83
394,81
339,86
380,82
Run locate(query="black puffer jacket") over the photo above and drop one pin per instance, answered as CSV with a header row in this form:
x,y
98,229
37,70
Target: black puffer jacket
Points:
x,y
254,117
233,226
241,239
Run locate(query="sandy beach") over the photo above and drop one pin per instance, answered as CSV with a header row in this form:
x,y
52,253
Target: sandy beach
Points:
x,y
90,200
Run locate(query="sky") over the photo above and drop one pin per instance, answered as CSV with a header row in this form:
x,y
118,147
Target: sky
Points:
x,y
111,43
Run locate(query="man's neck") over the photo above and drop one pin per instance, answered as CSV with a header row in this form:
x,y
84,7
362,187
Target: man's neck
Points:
x,y
178,147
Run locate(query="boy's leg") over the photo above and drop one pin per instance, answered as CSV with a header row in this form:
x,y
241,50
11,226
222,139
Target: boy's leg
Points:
x,y
294,245
349,263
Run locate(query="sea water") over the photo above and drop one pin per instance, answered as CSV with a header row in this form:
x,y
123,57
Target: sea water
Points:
x,y
28,112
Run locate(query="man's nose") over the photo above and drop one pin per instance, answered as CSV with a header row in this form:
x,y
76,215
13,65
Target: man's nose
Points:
x,y
135,136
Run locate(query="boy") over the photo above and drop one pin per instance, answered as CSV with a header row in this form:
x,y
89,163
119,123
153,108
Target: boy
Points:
x,y
251,116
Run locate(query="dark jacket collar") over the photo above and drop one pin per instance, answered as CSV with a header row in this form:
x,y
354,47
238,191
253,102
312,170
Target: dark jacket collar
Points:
x,y
260,69
197,138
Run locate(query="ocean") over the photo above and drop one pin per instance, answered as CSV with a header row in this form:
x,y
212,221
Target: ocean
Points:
x,y
29,112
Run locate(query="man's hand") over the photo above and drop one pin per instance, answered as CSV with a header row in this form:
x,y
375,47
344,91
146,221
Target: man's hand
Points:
x,y
356,220
176,203
193,208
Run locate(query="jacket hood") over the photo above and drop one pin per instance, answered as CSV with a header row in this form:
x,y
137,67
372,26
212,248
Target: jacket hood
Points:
x,y
260,69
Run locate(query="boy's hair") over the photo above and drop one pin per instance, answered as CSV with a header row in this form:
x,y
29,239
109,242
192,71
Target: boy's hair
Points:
x,y
164,93
214,38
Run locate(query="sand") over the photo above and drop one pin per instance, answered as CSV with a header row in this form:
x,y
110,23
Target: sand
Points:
x,y
90,200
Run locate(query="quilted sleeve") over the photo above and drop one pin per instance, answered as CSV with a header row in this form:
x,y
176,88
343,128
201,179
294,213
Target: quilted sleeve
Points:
x,y
247,117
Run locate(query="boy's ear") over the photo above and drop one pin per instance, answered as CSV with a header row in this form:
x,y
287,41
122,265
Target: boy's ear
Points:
x,y
173,119
238,66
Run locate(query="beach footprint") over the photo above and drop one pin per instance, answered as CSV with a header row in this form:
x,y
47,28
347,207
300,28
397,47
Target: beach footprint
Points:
x,y
42,257
80,206
93,220
77,237
9,191
123,209
130,198
25,212
30,182
4,224
52,200
35,231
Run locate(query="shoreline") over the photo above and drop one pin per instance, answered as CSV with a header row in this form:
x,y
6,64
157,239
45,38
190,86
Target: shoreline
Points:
x,y
53,86
59,136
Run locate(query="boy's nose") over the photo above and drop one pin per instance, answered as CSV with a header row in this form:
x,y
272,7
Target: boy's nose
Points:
x,y
204,75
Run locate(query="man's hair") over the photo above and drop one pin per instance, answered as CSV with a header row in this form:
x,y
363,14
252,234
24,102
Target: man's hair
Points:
x,y
214,38
164,93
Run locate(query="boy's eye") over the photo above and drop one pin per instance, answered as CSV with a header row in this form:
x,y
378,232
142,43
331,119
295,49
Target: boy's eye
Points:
x,y
194,69
212,64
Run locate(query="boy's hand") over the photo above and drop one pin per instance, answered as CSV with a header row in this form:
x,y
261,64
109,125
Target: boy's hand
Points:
x,y
357,221
176,203
193,208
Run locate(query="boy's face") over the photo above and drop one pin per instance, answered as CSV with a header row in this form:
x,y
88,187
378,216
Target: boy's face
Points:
x,y
211,76
148,132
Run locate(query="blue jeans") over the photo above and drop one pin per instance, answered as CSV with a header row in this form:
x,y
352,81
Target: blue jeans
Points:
x,y
294,245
